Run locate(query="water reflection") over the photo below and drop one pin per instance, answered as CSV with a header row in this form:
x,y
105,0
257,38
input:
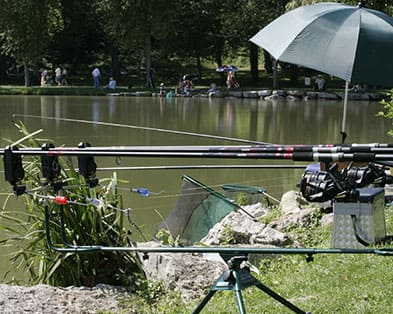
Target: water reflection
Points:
x,y
281,122
277,122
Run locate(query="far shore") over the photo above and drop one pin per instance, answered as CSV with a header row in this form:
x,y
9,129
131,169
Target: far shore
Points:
x,y
266,93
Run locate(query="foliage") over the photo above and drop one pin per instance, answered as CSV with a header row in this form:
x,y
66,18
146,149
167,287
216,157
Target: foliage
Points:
x,y
166,238
84,224
385,6
173,37
313,234
27,28
228,236
274,213
388,107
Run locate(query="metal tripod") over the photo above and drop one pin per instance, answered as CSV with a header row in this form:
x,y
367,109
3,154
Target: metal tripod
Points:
x,y
237,278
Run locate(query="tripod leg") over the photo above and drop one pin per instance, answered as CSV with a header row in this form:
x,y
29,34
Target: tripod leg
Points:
x,y
205,300
240,302
279,298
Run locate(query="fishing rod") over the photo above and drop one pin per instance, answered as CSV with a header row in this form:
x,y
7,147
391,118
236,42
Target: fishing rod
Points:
x,y
217,137
329,148
295,156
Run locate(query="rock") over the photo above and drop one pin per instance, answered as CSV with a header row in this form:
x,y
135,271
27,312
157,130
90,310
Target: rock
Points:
x,y
42,299
296,93
292,201
183,272
327,219
280,92
264,93
301,218
237,228
296,211
237,94
217,94
311,95
143,93
234,228
128,94
250,94
291,98
355,96
270,236
328,96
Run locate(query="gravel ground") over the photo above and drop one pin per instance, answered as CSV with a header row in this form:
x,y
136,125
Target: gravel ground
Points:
x,y
47,299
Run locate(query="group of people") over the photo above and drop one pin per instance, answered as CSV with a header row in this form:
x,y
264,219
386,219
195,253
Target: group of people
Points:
x,y
185,86
96,74
60,77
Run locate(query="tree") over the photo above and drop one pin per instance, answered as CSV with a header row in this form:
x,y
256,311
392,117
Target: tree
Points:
x,y
81,40
27,28
384,6
253,16
135,24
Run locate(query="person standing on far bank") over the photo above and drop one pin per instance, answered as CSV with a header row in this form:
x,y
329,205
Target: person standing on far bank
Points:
x,y
96,77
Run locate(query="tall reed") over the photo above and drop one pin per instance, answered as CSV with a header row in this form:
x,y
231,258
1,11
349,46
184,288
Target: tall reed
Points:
x,y
85,224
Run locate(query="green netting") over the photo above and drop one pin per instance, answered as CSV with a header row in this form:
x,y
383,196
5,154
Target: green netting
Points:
x,y
243,194
197,210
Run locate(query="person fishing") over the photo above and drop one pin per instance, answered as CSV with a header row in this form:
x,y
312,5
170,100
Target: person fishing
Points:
x,y
231,80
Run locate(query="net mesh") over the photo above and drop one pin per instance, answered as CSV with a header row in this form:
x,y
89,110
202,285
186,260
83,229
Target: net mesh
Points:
x,y
197,210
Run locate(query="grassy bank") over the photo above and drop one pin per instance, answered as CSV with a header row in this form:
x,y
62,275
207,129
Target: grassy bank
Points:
x,y
329,284
57,90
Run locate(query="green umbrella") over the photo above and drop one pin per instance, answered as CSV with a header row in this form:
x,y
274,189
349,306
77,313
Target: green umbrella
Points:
x,y
349,42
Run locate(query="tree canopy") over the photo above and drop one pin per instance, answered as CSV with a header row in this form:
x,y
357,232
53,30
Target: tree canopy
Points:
x,y
138,35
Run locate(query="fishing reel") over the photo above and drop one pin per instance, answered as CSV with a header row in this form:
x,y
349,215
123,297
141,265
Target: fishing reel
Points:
x,y
322,186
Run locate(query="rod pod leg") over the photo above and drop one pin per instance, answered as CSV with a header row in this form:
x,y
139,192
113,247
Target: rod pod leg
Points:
x,y
236,279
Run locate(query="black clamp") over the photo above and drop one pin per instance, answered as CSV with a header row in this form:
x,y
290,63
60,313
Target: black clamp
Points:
x,y
50,167
87,167
13,169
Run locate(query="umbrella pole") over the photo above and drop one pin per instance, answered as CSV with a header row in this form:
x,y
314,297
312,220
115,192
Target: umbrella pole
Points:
x,y
343,133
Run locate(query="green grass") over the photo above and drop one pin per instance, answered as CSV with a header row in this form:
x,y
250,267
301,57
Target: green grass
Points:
x,y
57,90
331,283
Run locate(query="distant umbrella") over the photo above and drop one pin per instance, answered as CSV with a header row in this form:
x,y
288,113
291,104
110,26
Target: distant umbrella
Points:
x,y
226,68
190,77
348,42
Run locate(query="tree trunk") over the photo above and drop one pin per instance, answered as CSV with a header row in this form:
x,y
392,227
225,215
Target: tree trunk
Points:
x,y
115,63
199,66
268,62
149,69
27,76
275,74
254,62
3,71
219,58
294,74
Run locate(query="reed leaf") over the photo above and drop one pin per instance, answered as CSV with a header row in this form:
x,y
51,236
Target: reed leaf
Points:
x,y
83,225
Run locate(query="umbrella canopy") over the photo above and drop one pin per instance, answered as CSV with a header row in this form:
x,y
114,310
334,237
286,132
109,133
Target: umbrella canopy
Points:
x,y
348,42
226,68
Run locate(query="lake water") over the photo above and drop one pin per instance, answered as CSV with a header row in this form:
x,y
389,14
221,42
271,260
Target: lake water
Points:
x,y
280,122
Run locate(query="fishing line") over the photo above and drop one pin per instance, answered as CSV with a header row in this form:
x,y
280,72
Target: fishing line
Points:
x,y
202,167
218,137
